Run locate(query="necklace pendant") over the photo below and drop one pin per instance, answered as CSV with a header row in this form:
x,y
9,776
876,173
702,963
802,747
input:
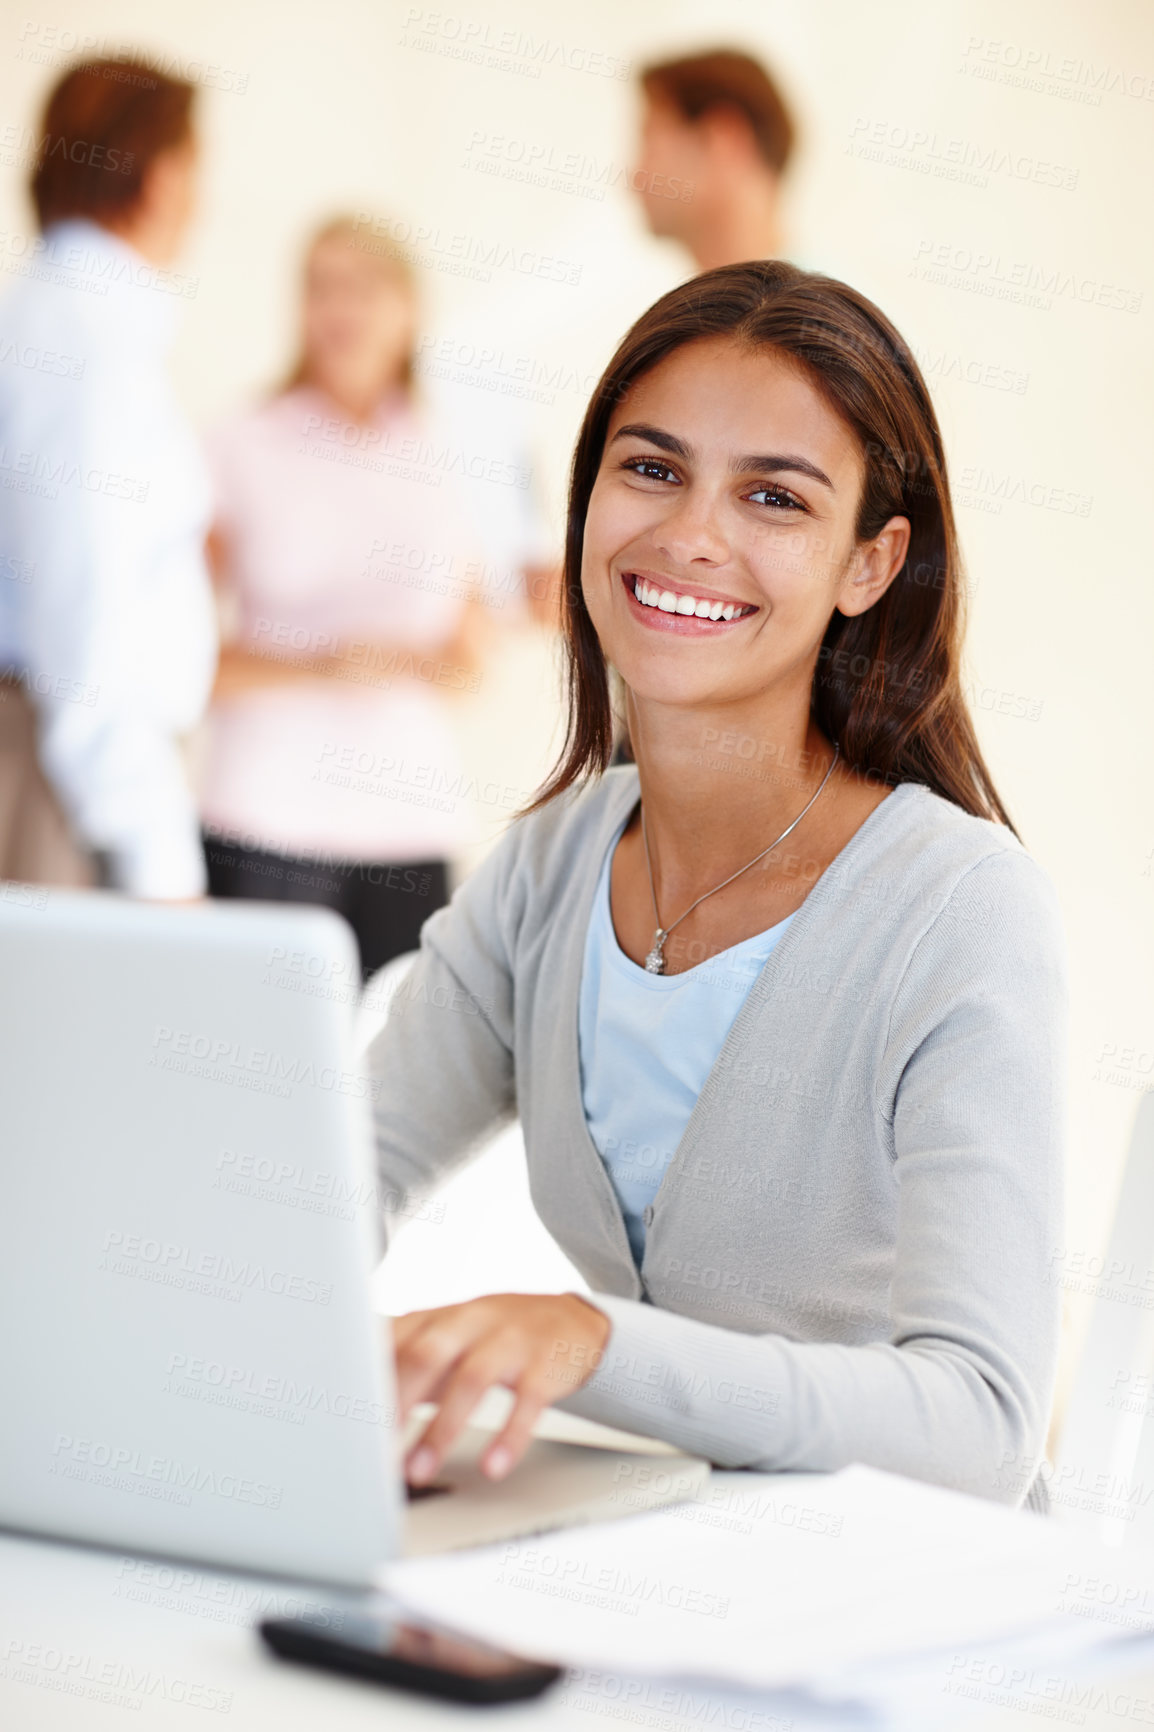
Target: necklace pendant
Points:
x,y
655,961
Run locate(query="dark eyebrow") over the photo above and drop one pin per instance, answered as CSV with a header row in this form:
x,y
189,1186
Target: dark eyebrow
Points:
x,y
761,465
775,465
654,436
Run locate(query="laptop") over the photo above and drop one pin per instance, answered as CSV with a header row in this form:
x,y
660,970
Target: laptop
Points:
x,y
190,1361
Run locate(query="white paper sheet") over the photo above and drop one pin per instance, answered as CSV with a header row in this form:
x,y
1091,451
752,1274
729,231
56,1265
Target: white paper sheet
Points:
x,y
784,1581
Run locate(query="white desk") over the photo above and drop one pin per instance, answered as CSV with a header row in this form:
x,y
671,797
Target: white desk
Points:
x,y
98,1641
182,1655
71,1617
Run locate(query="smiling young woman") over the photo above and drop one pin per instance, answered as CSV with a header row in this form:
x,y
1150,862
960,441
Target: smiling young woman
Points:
x,y
782,1005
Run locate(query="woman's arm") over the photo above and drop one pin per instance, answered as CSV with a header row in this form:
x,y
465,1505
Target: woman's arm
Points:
x,y
454,665
443,1063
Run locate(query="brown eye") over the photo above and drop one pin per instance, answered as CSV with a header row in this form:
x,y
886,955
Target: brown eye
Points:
x,y
778,498
650,468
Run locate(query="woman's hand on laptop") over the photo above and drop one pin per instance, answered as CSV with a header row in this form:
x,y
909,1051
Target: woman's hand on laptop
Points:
x,y
541,1346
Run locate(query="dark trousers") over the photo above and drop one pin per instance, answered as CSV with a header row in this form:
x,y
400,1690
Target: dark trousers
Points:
x,y
386,905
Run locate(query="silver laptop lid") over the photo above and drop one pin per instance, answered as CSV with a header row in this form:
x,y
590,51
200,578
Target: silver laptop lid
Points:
x,y
189,1360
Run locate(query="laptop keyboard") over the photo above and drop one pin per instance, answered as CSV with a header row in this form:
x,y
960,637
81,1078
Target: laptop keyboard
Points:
x,y
414,1493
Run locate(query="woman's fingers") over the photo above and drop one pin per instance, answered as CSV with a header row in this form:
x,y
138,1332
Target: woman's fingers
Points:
x,y
427,1345
533,1397
493,1361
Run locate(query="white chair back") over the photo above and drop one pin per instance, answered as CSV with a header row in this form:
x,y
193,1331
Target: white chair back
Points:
x,y
1103,1477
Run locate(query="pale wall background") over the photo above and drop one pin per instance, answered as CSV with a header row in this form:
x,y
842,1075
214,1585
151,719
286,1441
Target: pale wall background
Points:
x,y
369,104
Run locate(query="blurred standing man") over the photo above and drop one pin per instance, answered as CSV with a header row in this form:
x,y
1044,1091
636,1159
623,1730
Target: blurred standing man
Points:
x,y
718,122
107,631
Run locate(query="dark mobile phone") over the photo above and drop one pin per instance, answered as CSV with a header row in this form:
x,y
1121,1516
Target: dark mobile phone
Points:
x,y
393,1648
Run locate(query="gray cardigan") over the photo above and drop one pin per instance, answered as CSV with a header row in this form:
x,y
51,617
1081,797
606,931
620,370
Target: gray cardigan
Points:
x,y
849,1256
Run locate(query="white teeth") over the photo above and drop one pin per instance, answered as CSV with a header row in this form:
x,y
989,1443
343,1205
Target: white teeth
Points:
x,y
669,602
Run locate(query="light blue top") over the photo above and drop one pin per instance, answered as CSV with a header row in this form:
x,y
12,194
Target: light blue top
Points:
x,y
647,1044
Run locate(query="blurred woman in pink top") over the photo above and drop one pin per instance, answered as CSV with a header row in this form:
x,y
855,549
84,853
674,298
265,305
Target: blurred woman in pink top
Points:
x,y
332,773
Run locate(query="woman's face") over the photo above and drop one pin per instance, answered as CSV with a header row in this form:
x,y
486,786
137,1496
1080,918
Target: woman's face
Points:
x,y
728,487
359,319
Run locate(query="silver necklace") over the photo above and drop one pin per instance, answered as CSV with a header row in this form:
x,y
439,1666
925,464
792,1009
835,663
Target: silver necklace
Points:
x,y
655,961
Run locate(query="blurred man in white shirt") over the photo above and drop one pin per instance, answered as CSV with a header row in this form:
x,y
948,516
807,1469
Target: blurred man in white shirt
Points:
x,y
107,628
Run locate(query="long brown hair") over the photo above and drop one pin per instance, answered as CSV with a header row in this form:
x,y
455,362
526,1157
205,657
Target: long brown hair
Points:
x,y
887,685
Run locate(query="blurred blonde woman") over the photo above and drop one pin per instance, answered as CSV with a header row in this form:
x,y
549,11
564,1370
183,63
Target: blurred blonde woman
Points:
x,y
332,772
